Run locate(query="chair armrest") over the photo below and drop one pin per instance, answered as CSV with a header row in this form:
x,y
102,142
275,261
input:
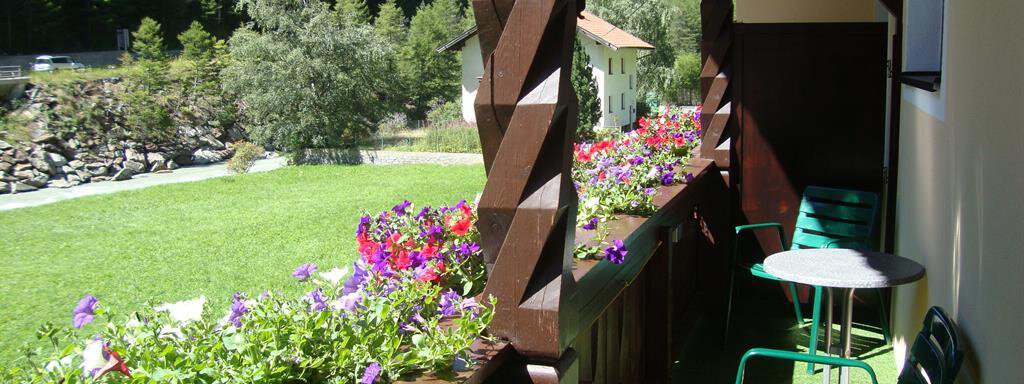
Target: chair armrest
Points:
x,y
741,228
862,242
802,357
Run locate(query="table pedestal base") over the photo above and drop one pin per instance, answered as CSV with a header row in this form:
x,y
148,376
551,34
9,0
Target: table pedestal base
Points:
x,y
846,295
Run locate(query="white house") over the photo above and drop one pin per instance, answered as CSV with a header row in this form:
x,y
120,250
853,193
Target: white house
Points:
x,y
613,55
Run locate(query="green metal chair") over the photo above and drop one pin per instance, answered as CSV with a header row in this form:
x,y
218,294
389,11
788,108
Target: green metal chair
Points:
x,y
935,357
828,218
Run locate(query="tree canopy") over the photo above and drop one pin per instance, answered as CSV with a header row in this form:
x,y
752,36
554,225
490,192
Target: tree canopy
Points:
x,y
307,78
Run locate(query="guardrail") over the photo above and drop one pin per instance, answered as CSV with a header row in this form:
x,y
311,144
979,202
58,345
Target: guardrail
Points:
x,y
10,72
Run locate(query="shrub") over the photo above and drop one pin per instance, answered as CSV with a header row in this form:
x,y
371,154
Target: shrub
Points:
x,y
586,92
307,77
446,112
246,154
148,41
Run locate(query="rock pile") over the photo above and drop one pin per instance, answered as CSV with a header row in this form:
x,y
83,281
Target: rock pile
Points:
x,y
65,160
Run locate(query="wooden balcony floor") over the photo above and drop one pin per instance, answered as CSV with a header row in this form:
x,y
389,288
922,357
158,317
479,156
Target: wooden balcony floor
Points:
x,y
768,322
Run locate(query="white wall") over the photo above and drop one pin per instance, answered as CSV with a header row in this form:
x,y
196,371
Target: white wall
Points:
x,y
960,205
804,11
472,69
614,84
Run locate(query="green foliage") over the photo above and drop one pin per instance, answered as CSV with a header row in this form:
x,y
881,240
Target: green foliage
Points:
x,y
684,24
431,75
246,154
308,78
684,86
446,112
646,20
586,91
390,24
356,9
196,43
148,41
453,138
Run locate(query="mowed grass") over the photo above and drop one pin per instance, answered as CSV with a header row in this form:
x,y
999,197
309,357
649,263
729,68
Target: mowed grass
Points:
x,y
214,237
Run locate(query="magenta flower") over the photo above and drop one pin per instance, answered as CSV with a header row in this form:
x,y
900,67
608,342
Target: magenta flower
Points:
x,y
371,373
303,271
84,311
616,253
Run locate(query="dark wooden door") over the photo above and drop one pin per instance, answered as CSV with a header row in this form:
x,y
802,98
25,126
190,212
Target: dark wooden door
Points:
x,y
810,110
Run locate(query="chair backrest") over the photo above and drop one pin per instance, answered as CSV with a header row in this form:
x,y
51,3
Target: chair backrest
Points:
x,y
827,214
936,355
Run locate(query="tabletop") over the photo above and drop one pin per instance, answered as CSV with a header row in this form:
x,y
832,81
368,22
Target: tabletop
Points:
x,y
843,268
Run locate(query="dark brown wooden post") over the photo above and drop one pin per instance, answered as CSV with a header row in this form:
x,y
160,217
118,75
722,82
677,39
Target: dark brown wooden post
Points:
x,y
526,116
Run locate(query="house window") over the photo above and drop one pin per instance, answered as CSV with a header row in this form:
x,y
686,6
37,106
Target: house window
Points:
x,y
622,65
610,71
609,103
922,56
622,101
631,81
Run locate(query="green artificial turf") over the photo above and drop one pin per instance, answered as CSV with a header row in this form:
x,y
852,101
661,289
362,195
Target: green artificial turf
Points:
x,y
214,237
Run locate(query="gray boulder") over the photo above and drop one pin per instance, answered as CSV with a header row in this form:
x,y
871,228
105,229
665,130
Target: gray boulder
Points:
x,y
171,165
5,188
5,167
158,167
97,171
136,156
5,146
40,163
206,156
155,157
38,181
77,164
123,175
22,187
59,183
56,160
134,166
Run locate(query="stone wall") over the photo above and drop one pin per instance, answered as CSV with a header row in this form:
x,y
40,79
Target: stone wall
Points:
x,y
53,159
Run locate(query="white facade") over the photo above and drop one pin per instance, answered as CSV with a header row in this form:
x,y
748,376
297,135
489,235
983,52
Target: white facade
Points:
x,y
616,88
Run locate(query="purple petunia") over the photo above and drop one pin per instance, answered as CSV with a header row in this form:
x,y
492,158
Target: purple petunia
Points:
x,y
238,309
688,177
616,253
400,208
449,300
371,373
649,191
316,300
356,280
350,302
364,224
84,311
590,225
303,271
668,178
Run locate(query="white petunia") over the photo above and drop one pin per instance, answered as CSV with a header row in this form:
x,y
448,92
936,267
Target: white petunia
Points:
x,y
58,365
92,357
185,311
335,275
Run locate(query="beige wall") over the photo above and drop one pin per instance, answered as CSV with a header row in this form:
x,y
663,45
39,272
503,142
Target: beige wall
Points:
x,y
960,207
804,11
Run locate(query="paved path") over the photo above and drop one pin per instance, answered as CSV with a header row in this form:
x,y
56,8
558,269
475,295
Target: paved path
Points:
x,y
196,173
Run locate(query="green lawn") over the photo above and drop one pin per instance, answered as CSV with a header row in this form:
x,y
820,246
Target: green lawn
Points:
x,y
212,237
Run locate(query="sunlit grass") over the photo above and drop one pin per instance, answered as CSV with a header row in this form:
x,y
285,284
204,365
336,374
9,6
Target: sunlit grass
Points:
x,y
210,238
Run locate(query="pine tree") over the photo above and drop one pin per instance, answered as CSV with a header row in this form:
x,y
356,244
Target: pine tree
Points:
x,y
390,23
356,9
148,41
435,74
196,43
586,91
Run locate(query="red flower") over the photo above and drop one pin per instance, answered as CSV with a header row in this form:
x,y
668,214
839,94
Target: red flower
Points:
x,y
583,156
114,364
644,123
429,251
467,212
680,141
402,260
461,227
430,275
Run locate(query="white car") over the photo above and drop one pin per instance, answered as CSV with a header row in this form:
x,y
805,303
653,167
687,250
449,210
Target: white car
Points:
x,y
50,63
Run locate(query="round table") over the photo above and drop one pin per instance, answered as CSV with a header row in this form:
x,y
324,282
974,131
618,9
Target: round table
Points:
x,y
846,270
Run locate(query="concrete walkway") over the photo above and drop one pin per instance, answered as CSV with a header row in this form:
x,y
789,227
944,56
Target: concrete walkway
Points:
x,y
202,172
143,180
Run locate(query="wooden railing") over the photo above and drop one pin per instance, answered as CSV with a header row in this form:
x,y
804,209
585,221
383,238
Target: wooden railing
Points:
x,y
716,44
560,319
